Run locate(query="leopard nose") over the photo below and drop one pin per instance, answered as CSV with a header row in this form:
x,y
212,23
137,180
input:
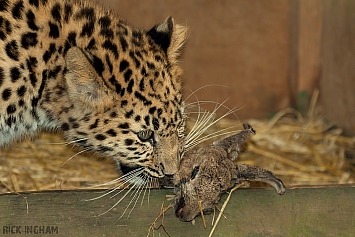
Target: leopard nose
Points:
x,y
169,176
167,181
170,167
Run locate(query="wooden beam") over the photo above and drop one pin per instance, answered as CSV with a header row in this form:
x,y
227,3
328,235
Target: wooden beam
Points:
x,y
306,28
321,211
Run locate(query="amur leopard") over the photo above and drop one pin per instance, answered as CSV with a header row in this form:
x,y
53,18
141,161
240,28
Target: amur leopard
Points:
x,y
112,89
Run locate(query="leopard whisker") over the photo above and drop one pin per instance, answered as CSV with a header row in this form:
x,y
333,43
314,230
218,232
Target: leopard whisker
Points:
x,y
78,153
139,191
114,181
133,187
66,143
205,123
196,139
131,175
136,194
137,181
107,192
201,122
145,184
188,142
75,141
148,187
202,102
153,183
202,87
199,126
196,124
123,179
208,137
206,113
119,201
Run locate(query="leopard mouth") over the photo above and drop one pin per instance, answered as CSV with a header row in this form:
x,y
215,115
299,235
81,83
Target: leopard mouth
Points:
x,y
127,169
137,174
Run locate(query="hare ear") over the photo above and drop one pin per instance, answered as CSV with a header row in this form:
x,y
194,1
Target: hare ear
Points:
x,y
83,80
170,37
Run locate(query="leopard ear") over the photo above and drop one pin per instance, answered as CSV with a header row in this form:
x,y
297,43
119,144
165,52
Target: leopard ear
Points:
x,y
170,37
82,79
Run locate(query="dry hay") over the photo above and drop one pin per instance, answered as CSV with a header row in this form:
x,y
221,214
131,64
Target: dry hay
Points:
x,y
47,163
300,150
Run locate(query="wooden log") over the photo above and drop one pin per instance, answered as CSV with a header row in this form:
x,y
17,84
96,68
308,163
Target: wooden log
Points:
x,y
320,211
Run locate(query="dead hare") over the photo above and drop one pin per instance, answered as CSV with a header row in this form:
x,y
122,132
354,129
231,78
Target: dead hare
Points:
x,y
205,174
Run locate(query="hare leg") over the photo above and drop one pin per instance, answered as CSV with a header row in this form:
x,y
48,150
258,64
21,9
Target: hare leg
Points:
x,y
255,173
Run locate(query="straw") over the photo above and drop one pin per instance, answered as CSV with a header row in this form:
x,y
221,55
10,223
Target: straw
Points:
x,y
301,150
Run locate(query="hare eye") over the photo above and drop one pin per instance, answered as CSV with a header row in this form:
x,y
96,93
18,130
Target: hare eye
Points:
x,y
195,172
146,136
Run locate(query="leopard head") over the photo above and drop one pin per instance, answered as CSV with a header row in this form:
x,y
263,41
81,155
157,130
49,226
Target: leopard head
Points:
x,y
125,100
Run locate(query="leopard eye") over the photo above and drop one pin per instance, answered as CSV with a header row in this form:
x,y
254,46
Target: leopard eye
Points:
x,y
146,136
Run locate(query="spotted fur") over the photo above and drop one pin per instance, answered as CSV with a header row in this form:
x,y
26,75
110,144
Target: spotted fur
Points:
x,y
110,88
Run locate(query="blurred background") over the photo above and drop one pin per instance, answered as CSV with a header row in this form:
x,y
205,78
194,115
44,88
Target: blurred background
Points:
x,y
287,66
